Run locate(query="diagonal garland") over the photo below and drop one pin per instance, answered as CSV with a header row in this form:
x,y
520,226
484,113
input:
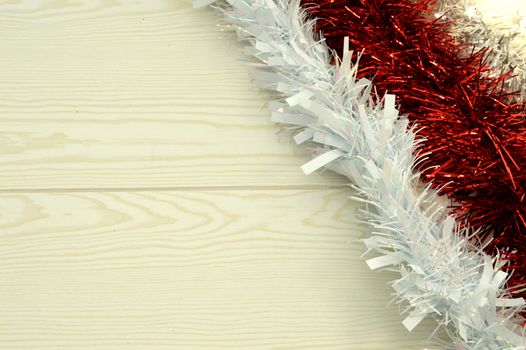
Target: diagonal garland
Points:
x,y
506,42
475,133
441,274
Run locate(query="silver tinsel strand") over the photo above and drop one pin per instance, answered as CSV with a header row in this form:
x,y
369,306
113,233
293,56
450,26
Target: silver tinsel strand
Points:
x,y
504,37
442,275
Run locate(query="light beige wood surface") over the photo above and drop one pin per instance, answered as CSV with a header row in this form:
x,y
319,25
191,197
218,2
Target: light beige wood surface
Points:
x,y
146,202
126,94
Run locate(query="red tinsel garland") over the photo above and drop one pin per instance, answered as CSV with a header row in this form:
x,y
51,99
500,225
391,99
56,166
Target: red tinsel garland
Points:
x,y
475,137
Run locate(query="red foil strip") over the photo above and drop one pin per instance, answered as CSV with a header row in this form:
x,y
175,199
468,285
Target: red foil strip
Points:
x,y
475,136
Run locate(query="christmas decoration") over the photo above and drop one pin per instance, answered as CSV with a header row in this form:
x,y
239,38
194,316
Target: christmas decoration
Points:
x,y
473,131
361,135
496,25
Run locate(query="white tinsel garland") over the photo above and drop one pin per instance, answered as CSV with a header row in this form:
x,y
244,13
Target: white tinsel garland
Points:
x,y
500,26
441,274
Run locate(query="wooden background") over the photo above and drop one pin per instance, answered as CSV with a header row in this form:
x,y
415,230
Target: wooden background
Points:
x,y
146,202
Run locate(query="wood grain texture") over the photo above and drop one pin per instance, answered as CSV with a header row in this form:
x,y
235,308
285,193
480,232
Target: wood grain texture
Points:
x,y
127,94
146,202
191,270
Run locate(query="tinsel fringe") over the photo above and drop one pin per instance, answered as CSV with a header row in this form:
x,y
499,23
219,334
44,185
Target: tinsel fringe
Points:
x,y
441,274
492,25
475,135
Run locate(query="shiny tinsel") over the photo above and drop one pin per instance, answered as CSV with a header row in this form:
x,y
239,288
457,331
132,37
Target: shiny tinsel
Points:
x,y
473,130
476,23
364,138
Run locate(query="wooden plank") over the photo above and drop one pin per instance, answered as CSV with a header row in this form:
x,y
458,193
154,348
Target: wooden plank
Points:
x,y
191,270
132,94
